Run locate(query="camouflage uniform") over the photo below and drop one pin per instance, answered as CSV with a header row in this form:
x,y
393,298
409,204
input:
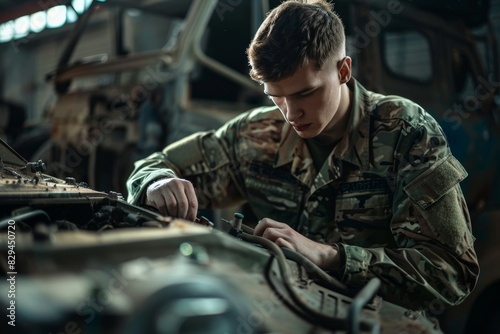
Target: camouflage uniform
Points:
x,y
388,195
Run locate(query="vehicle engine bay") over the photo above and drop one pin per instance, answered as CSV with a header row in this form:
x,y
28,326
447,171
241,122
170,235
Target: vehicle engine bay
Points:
x,y
83,261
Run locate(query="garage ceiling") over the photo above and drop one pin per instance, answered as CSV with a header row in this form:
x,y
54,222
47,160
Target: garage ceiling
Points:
x,y
472,11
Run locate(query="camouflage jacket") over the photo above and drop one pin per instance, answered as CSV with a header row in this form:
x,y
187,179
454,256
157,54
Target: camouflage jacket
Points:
x,y
388,195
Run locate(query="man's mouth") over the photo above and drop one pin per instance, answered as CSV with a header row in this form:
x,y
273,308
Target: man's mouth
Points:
x,y
301,128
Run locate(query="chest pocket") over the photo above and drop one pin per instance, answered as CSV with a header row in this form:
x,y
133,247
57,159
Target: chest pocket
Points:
x,y
363,218
274,193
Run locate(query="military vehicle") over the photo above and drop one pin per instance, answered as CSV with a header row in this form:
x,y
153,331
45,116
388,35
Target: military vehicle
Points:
x,y
444,55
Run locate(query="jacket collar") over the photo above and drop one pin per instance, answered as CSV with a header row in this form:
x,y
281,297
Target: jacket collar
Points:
x,y
354,147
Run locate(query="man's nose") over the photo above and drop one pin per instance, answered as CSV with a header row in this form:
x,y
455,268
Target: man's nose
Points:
x,y
293,110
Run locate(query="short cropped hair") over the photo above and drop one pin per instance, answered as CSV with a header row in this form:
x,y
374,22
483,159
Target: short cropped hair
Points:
x,y
295,32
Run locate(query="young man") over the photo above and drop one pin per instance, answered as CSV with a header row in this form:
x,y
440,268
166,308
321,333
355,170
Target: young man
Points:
x,y
362,184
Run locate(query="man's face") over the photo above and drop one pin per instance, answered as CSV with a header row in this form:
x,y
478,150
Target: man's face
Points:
x,y
310,98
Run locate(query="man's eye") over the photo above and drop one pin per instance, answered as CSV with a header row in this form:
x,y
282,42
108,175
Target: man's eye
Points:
x,y
306,94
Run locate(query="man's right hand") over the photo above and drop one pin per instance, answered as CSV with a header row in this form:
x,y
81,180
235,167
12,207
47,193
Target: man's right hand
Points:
x,y
173,197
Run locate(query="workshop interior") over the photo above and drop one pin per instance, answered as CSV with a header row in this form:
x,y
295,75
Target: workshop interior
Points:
x,y
75,79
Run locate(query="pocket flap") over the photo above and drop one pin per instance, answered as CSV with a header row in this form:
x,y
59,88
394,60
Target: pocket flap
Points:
x,y
432,184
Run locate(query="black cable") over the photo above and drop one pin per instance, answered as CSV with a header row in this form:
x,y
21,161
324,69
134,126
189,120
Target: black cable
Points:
x,y
286,275
246,229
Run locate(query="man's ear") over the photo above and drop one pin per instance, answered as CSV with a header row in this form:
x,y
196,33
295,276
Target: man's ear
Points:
x,y
345,70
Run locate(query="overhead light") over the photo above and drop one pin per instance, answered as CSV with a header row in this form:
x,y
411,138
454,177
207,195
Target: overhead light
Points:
x,y
38,21
21,26
72,15
79,6
56,16
6,31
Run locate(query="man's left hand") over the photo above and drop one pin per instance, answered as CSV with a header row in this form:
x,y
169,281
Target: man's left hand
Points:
x,y
324,256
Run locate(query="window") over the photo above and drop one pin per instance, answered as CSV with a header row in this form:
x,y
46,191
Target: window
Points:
x,y
407,54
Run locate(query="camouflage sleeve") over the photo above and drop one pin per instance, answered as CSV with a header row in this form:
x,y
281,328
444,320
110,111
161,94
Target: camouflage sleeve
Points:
x,y
434,265
202,158
145,172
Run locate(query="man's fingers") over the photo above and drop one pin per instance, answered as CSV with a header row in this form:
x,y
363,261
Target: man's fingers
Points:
x,y
273,234
186,204
177,205
173,197
266,223
279,236
284,243
192,203
159,201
